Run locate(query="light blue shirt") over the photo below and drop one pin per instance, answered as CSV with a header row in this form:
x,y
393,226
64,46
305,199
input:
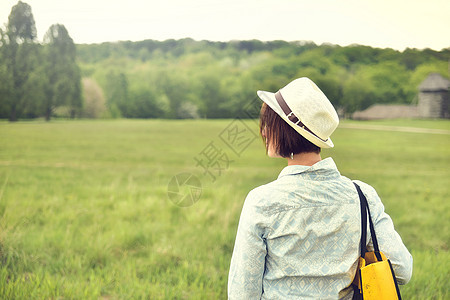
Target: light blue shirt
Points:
x,y
298,237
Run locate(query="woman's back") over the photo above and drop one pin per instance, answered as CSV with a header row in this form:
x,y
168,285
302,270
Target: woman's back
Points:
x,y
302,232
309,222
312,238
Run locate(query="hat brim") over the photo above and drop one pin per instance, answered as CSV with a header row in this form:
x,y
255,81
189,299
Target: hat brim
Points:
x,y
269,99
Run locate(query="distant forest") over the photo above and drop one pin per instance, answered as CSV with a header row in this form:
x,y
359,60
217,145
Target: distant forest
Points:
x,y
194,79
189,79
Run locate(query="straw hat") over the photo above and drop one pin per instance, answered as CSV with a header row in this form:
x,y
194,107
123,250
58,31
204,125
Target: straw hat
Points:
x,y
306,109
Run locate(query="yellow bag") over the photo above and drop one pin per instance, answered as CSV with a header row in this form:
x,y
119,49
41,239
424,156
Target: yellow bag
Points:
x,y
375,278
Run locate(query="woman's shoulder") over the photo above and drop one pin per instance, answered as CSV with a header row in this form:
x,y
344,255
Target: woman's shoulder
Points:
x,y
371,194
259,191
260,195
366,188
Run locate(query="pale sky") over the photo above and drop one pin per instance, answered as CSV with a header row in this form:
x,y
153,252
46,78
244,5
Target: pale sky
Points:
x,y
395,24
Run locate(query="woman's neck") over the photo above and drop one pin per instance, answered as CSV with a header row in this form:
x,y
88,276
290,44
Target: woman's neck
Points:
x,y
304,159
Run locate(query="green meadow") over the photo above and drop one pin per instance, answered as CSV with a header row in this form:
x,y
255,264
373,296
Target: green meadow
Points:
x,y
85,212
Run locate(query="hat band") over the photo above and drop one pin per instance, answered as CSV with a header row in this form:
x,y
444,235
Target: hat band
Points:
x,y
291,116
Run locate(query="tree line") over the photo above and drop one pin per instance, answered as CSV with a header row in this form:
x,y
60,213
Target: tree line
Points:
x,y
188,79
191,79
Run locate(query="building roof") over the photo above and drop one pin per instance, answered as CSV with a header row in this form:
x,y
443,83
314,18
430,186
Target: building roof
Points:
x,y
389,111
434,82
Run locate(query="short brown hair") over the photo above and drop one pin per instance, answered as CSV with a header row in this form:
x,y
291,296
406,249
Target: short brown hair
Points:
x,y
284,138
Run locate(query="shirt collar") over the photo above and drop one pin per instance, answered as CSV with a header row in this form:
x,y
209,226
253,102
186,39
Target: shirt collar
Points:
x,y
326,165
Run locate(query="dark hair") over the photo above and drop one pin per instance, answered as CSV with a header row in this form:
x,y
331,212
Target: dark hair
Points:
x,y
284,138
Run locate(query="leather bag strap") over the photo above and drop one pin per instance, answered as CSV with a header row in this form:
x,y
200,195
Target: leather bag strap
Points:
x,y
365,211
363,243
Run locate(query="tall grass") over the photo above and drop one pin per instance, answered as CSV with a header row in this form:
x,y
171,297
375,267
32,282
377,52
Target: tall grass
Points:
x,y
85,213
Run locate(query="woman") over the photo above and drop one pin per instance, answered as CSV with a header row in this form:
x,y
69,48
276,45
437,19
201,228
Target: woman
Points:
x,y
298,236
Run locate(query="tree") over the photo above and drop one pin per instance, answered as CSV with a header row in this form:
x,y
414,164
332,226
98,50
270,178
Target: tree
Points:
x,y
6,79
177,90
94,99
142,104
17,55
209,92
21,26
358,93
117,94
64,87
33,95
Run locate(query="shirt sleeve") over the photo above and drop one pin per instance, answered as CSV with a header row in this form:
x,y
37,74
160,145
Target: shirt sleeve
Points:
x,y
389,241
248,260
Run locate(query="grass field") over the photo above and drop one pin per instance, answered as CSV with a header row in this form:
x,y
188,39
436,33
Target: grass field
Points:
x,y
85,213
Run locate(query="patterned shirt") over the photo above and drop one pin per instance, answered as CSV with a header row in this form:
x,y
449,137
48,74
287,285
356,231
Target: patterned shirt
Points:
x,y
298,237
